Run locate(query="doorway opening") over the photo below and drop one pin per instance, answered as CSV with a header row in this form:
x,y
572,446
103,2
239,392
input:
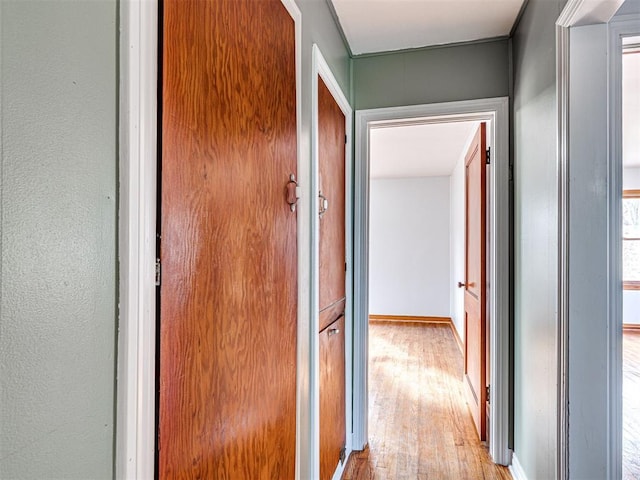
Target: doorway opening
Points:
x,y
630,257
369,123
428,281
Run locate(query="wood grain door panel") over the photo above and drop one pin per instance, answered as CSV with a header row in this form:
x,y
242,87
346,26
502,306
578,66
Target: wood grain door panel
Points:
x,y
227,376
475,283
332,397
331,165
331,313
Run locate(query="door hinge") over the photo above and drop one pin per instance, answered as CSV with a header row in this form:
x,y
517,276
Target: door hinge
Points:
x,y
488,387
157,272
488,156
343,454
345,139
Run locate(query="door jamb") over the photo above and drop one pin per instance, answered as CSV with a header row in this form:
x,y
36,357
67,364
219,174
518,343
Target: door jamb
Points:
x,y
135,410
496,111
138,130
321,68
619,27
579,12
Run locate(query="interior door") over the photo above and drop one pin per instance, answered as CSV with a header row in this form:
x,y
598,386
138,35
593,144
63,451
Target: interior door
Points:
x,y
331,158
331,166
475,284
332,398
228,299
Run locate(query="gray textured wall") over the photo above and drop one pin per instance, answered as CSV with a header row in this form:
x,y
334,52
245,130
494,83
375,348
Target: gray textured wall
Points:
x,y
629,7
536,238
58,305
432,75
318,27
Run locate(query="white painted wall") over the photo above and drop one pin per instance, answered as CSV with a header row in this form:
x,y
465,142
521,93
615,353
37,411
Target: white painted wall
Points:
x,y
409,247
631,178
457,232
631,298
631,306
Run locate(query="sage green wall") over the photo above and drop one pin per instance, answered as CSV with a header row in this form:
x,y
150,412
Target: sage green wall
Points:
x,y
318,26
58,305
536,238
432,75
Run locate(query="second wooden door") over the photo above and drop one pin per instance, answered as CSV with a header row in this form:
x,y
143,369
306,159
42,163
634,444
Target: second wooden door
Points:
x,y
331,200
475,295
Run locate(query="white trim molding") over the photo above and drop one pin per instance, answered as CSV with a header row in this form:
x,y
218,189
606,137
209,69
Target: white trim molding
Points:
x,y
587,12
320,69
516,470
361,284
562,104
135,431
619,28
576,13
495,111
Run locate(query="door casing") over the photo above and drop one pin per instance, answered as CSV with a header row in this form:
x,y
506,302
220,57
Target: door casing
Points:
x,y
618,29
495,111
578,12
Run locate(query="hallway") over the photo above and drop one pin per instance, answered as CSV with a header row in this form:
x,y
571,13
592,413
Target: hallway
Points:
x,y
419,423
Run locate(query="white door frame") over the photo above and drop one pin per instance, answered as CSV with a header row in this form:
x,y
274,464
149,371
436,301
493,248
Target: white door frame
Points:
x,y
620,27
580,13
135,422
496,112
320,68
136,387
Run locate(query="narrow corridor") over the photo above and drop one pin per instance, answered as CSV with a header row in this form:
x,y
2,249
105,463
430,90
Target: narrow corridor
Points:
x,y
419,423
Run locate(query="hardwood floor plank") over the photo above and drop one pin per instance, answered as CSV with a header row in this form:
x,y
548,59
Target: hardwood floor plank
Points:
x,y
420,426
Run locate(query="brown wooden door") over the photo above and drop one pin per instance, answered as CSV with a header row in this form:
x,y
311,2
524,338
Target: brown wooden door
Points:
x,y
332,397
228,300
331,166
475,283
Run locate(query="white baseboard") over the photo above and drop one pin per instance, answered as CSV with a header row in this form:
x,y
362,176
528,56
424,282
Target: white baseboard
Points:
x,y
516,469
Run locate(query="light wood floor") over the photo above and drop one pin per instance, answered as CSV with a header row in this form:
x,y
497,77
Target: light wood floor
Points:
x,y
419,423
631,406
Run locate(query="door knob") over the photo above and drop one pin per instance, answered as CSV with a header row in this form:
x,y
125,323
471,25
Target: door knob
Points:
x,y
461,284
333,331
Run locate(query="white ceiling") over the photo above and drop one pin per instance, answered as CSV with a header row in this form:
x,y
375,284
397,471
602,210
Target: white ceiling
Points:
x,y
631,109
431,150
383,25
